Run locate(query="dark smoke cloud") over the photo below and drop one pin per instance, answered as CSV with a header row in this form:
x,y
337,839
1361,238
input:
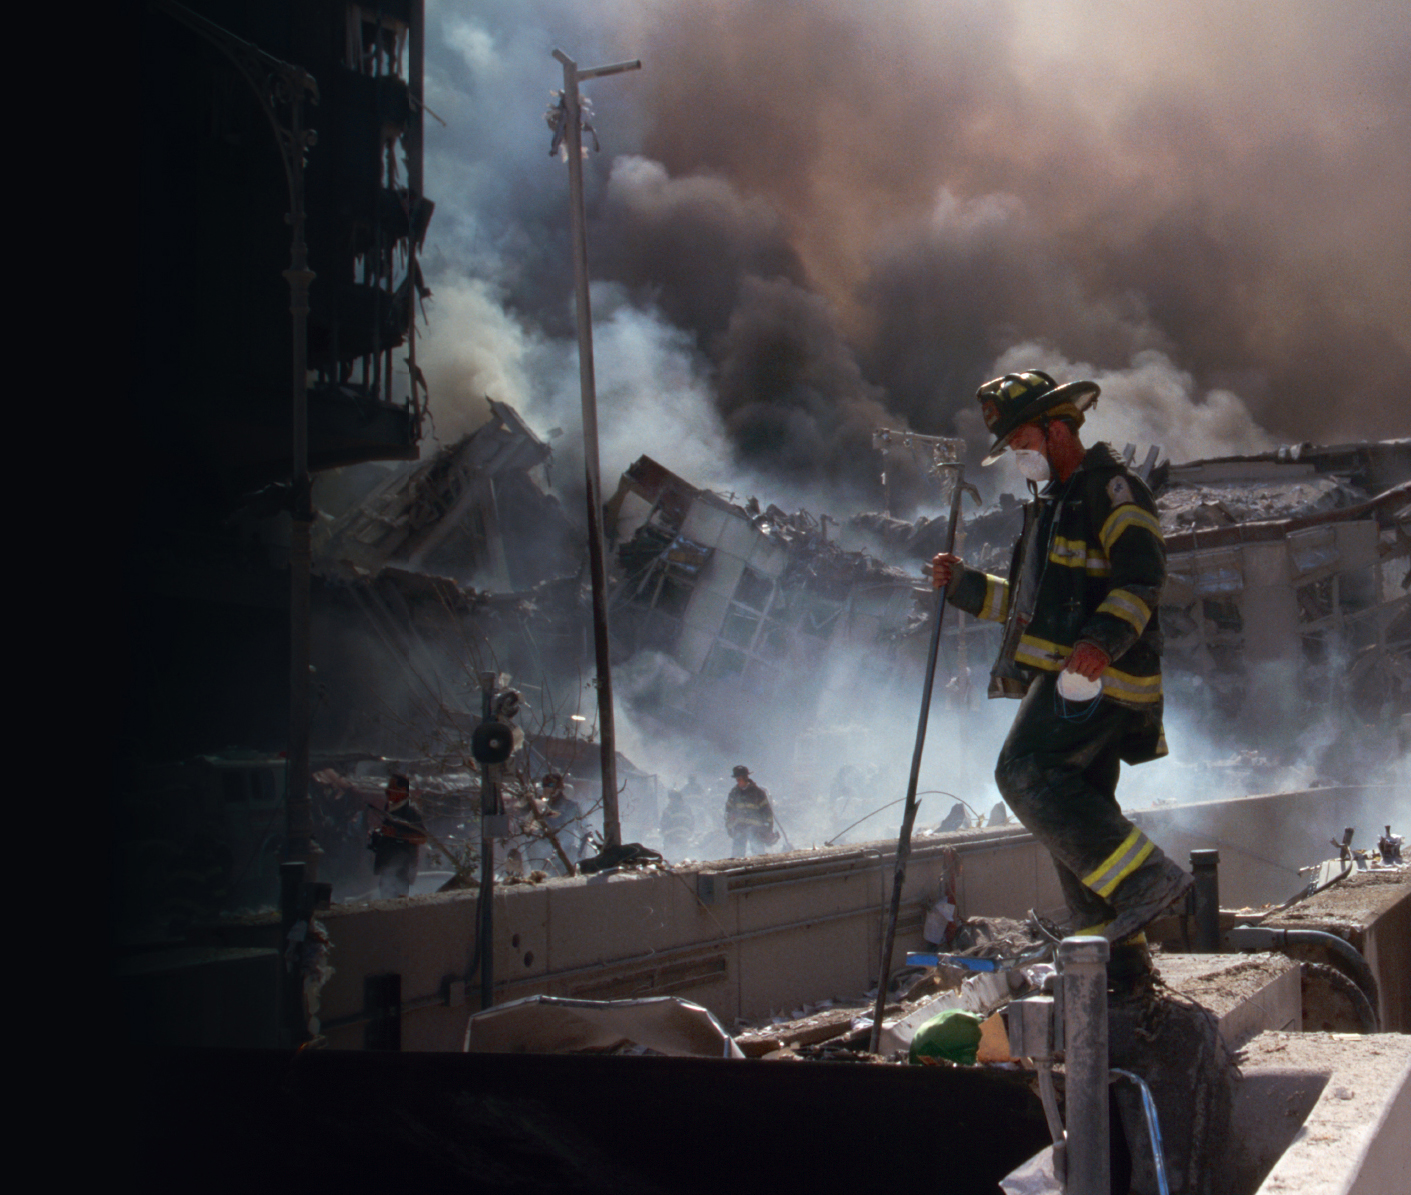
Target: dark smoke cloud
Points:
x,y
688,245
793,397
855,214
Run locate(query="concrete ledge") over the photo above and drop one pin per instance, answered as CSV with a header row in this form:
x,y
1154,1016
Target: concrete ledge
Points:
x,y
1372,911
1247,993
1356,1139
773,932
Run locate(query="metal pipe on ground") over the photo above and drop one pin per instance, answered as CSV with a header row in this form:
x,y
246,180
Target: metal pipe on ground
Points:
x,y
1082,962
1205,866
1259,937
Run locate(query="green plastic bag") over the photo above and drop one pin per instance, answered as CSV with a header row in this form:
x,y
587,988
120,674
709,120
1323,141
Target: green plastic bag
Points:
x,y
953,1035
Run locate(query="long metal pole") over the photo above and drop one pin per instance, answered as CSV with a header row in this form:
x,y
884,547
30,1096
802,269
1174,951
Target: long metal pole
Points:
x,y
612,827
912,804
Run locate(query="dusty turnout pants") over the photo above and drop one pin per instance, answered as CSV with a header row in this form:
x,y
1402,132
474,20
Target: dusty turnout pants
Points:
x,y
1058,772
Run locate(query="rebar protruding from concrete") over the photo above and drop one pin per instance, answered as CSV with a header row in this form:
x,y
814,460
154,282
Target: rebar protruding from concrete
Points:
x,y
1205,865
1082,961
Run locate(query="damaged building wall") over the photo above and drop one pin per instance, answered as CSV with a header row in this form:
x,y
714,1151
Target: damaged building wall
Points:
x,y
479,512
748,602
1292,561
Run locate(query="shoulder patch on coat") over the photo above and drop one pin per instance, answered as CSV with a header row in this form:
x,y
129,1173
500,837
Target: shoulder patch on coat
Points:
x,y
1119,491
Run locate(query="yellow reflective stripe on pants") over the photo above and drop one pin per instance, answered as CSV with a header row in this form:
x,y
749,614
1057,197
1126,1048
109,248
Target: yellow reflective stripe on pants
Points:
x,y
1120,864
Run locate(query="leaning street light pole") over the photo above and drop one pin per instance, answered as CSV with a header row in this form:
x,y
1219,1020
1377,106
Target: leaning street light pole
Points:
x,y
570,130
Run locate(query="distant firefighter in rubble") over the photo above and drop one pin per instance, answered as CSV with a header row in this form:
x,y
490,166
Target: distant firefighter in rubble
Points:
x,y
564,816
397,842
749,818
1082,649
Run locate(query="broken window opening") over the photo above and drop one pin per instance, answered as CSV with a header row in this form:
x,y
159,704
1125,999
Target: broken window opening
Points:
x,y
754,590
775,640
740,626
1356,589
375,43
1223,616
1315,600
1315,649
674,596
819,618
723,662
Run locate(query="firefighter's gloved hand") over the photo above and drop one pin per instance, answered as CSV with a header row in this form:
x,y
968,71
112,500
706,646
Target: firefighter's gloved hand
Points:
x,y
1088,660
943,566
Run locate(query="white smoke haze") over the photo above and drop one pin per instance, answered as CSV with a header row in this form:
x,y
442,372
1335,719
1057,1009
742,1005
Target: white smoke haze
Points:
x,y
1152,402
475,349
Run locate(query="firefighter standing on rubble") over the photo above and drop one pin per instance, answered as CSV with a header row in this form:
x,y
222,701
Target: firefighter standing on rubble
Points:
x,y
396,843
1079,606
563,815
748,815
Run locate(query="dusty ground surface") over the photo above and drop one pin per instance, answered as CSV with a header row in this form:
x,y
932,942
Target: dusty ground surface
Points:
x,y
1350,906
1359,1088
1221,982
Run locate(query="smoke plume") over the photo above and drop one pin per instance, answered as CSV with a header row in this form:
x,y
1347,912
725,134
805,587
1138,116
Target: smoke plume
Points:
x,y
831,217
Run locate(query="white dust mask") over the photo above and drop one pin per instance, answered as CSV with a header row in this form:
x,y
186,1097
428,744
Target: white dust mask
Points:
x,y
1031,463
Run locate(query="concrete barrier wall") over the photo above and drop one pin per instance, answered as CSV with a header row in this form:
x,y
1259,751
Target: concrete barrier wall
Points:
x,y
1263,840
787,929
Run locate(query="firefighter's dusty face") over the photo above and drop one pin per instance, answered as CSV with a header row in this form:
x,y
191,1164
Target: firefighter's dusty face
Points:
x,y
742,781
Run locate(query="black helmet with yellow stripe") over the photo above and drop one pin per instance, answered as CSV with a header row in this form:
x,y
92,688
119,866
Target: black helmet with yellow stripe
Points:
x,y
1009,402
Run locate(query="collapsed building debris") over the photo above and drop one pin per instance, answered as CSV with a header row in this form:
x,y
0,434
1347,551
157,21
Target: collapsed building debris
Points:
x,y
742,599
431,576
479,512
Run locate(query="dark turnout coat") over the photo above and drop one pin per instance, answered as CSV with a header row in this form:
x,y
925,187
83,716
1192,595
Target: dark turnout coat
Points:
x,y
1088,567
748,808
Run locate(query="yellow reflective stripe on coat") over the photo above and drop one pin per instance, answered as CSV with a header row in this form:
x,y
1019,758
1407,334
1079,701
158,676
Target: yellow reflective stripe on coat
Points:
x,y
1104,878
1124,604
1040,653
1121,519
996,604
1078,553
1124,686
1070,552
